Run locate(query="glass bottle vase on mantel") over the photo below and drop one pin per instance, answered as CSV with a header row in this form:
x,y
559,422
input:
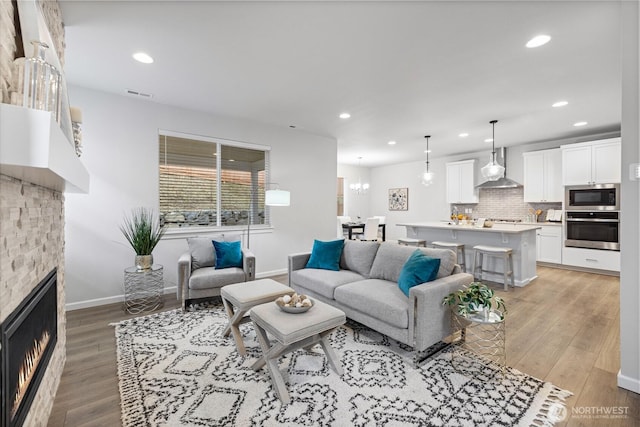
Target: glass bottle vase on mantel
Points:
x,y
42,82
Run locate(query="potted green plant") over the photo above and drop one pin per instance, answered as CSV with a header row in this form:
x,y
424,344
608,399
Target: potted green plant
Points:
x,y
475,298
143,232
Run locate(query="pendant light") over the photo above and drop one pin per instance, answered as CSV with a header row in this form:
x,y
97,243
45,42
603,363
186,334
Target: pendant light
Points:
x,y
427,176
359,187
493,171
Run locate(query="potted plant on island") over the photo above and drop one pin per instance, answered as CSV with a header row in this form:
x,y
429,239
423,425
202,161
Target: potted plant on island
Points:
x,y
476,298
143,232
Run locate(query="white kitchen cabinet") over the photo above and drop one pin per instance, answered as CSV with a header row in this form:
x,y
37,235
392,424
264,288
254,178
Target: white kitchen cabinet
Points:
x,y
549,244
591,258
595,162
461,182
543,176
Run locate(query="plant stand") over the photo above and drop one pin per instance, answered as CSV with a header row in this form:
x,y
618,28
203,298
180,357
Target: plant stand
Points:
x,y
143,289
485,337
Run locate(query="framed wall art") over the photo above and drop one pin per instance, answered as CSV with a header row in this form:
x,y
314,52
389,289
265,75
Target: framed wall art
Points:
x,y
398,199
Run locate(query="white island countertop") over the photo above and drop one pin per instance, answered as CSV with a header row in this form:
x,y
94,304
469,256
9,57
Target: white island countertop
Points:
x,y
497,227
520,237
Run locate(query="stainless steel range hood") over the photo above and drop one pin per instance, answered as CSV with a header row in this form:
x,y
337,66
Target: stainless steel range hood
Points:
x,y
503,182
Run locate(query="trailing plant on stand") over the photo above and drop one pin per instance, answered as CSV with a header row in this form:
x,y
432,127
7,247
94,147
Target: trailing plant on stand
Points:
x,y
473,299
143,232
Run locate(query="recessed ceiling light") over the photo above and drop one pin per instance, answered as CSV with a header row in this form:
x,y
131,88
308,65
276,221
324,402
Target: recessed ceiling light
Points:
x,y
578,124
488,140
143,57
560,104
427,151
344,115
391,143
463,135
538,41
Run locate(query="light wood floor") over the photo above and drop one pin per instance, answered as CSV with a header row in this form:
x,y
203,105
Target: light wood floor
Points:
x,y
562,328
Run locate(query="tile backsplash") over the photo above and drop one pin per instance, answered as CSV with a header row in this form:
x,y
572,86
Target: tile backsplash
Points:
x,y
505,203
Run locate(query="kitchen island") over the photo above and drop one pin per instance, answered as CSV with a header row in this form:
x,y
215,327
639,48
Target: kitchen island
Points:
x,y
521,238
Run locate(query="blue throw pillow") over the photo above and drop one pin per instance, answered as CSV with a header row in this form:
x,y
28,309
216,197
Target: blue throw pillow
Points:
x,y
228,254
326,255
419,268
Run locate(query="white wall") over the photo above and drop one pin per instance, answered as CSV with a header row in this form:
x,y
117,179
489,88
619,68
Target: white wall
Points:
x,y
629,375
425,203
355,205
120,138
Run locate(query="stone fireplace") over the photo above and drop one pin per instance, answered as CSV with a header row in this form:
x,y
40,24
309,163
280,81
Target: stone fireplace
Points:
x,y
31,193
32,246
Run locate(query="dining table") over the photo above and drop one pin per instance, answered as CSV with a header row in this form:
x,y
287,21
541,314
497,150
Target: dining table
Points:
x,y
359,226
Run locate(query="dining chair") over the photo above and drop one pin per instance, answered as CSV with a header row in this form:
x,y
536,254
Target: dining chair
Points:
x,y
382,218
371,229
344,218
382,221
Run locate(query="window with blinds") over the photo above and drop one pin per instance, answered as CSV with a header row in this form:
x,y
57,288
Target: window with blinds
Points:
x,y
209,183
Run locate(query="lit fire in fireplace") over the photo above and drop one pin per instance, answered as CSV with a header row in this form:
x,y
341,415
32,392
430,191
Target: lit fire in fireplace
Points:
x,y
28,369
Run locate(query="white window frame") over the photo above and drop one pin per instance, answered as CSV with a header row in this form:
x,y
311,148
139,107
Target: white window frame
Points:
x,y
180,232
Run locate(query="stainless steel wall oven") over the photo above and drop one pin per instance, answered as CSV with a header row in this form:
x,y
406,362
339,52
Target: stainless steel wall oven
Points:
x,y
593,229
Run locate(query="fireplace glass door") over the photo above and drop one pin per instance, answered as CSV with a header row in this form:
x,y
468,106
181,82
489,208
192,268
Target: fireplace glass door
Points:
x,y
29,337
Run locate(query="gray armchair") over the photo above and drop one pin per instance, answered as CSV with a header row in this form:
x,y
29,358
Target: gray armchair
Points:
x,y
197,275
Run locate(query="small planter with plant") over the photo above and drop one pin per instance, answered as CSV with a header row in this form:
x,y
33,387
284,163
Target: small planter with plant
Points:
x,y
478,301
143,232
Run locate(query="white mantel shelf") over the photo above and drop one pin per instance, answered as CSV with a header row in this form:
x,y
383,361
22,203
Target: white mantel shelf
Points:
x,y
34,149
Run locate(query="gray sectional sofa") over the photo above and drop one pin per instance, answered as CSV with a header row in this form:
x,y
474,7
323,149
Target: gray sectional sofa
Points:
x,y
366,289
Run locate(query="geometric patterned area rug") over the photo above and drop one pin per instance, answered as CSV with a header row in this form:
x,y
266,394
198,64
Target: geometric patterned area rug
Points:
x,y
176,369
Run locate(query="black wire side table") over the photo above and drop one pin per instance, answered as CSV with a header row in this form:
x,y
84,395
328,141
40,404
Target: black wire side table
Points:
x,y
481,335
143,289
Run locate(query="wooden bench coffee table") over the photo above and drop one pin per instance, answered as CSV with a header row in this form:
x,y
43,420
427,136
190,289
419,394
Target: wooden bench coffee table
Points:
x,y
291,332
243,297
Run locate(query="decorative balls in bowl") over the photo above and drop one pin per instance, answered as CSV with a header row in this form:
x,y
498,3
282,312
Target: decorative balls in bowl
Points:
x,y
296,303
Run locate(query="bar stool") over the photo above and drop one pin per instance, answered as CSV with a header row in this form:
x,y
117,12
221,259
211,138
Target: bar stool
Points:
x,y
458,248
506,254
408,241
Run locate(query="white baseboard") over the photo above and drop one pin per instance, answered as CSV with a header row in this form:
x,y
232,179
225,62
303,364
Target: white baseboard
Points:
x,y
628,383
107,300
271,273
167,290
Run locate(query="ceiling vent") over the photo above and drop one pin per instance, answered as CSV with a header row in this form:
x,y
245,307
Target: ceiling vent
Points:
x,y
138,93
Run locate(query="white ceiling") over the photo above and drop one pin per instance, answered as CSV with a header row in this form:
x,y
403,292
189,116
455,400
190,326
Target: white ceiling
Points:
x,y
402,69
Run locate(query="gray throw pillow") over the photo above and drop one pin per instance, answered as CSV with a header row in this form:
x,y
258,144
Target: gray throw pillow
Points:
x,y
233,237
202,252
358,256
448,260
389,261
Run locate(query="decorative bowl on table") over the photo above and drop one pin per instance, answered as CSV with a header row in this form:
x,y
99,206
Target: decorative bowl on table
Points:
x,y
296,303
